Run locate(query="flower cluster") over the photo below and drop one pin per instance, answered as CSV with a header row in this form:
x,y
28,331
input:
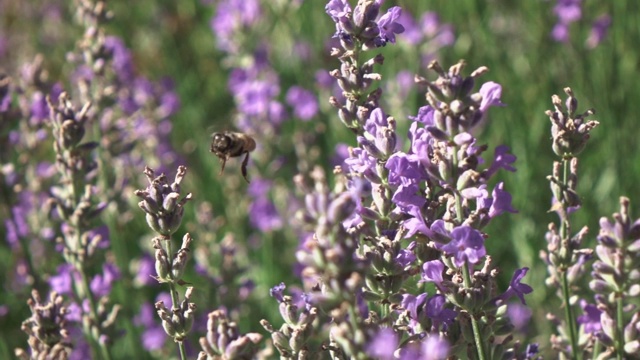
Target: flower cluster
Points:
x,y
436,195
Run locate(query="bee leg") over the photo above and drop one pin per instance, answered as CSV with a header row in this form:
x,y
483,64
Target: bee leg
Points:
x,y
223,161
244,167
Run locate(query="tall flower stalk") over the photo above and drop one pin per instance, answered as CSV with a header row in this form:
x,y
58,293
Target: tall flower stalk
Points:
x,y
164,207
565,257
614,321
77,206
435,195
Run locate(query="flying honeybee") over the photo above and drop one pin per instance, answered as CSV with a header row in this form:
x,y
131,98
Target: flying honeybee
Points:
x,y
232,144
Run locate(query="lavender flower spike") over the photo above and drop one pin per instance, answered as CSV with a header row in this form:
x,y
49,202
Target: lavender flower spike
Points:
x,y
162,203
224,341
48,336
570,131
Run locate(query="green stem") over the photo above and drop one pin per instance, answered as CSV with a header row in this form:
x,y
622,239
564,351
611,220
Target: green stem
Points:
x,y
475,326
569,318
175,297
619,342
89,327
477,334
566,259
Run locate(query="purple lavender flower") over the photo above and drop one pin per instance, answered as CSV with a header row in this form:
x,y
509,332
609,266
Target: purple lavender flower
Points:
x,y
599,30
560,32
491,93
567,12
62,281
439,314
590,320
405,258
145,271
263,214
434,347
380,134
17,226
232,16
432,272
277,292
101,284
121,57
389,26
383,345
153,336
501,160
169,101
414,305
407,197
498,203
304,103
516,288
403,168
254,97
442,34
361,162
338,10
520,315
501,201
255,89
417,223
466,246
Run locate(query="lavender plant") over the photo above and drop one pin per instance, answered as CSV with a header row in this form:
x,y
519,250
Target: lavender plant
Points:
x,y
428,192
76,208
611,324
565,257
164,209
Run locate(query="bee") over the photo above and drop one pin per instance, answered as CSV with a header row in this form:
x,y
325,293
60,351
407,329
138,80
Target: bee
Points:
x,y
232,144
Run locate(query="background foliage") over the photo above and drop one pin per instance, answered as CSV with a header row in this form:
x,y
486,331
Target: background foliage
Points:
x,y
174,39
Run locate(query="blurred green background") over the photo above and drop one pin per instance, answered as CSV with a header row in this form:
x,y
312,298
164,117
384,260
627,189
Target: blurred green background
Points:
x,y
511,38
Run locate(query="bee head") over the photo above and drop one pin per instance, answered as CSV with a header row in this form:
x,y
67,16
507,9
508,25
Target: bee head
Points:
x,y
220,142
